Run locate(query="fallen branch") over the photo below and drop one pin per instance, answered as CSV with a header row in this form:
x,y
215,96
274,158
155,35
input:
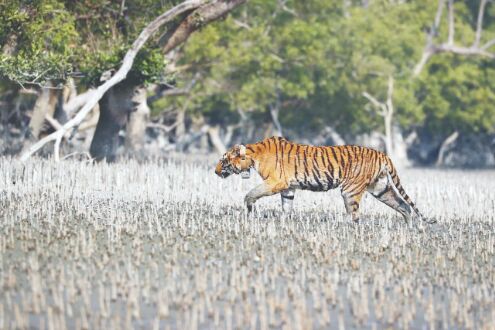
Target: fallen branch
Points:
x,y
120,75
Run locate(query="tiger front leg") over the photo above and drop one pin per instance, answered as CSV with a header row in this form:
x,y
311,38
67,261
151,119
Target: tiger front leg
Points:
x,y
256,193
287,197
268,188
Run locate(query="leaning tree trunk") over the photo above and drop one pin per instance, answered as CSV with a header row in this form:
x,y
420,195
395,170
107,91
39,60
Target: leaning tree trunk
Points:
x,y
68,93
45,105
201,13
115,107
105,141
138,119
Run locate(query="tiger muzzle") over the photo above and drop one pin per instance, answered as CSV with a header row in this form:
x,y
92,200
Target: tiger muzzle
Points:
x,y
221,170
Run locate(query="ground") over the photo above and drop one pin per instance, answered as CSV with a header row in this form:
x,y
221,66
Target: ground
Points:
x,y
168,245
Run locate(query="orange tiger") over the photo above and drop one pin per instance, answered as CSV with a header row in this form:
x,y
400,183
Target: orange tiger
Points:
x,y
286,166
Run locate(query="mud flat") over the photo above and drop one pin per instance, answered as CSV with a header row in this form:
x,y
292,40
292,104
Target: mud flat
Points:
x,y
168,245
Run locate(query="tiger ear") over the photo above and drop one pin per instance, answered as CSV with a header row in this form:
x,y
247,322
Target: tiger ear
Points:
x,y
236,150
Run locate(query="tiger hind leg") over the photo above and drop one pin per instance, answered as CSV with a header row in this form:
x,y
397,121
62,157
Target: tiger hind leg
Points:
x,y
351,201
383,190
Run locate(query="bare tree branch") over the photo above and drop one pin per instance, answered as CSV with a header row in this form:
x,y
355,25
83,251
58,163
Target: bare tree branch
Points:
x,y
425,57
450,39
283,5
449,47
198,18
390,91
427,52
488,44
78,101
242,24
120,75
52,121
374,101
387,112
436,24
479,24
55,124
444,48
174,91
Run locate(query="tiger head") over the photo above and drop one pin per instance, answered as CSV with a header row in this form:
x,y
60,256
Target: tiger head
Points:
x,y
234,161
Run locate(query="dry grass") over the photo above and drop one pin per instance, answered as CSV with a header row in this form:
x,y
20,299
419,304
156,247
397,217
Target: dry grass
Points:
x,y
168,245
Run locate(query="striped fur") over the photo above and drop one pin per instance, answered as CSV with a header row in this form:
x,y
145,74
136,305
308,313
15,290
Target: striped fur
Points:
x,y
286,166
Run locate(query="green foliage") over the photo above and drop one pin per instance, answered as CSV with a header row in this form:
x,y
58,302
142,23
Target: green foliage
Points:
x,y
42,36
458,94
55,39
312,58
148,66
318,57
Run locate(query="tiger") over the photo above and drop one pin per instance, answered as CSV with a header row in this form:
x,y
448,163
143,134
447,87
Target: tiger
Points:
x,y
286,167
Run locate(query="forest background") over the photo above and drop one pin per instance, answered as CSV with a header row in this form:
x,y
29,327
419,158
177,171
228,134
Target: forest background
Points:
x,y
413,78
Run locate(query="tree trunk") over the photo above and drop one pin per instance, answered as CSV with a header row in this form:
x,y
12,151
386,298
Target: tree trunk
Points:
x,y
274,111
180,128
115,108
136,128
389,145
45,105
444,147
59,112
388,115
399,145
229,134
214,133
100,148
89,127
247,126
334,135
